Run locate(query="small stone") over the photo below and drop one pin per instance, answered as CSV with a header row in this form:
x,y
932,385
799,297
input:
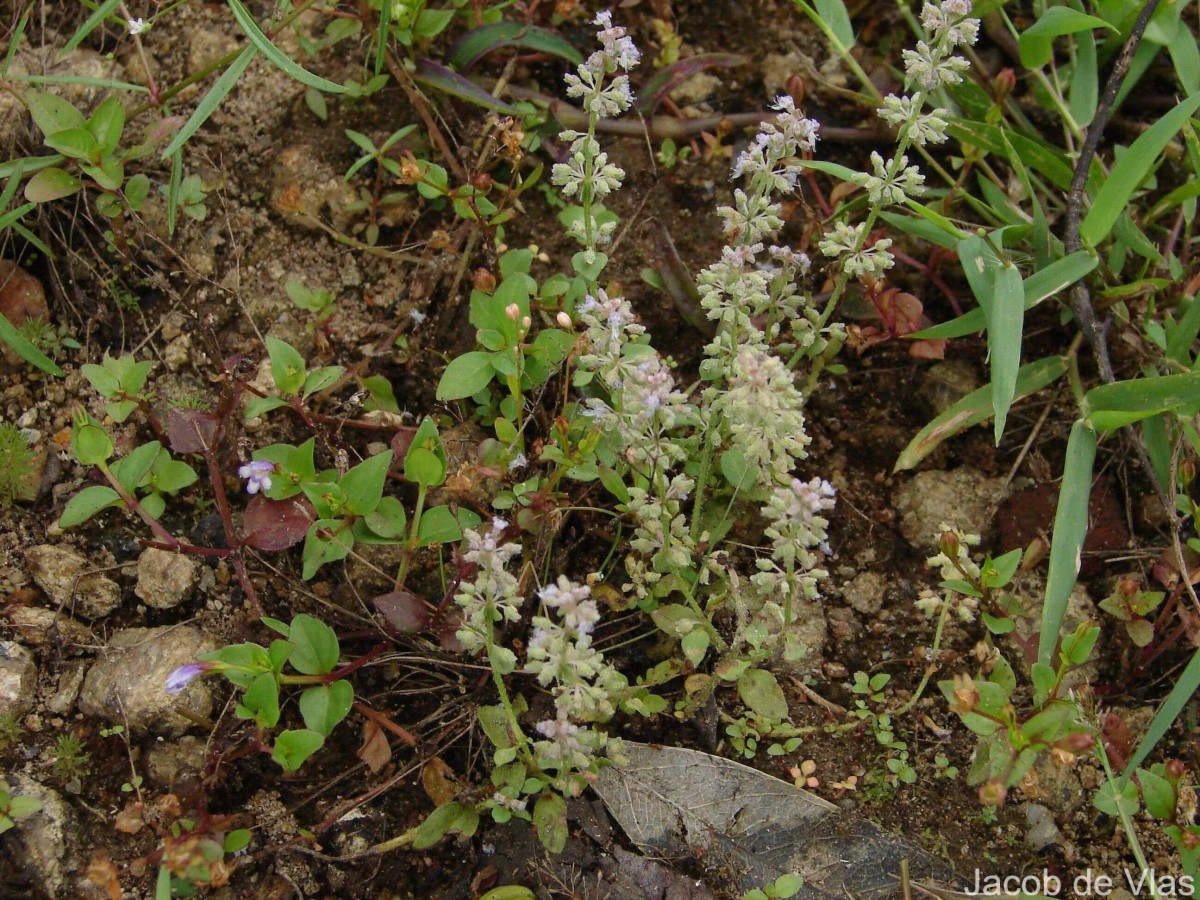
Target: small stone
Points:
x,y
177,353
127,686
810,630
165,579
69,683
865,593
835,671
18,679
21,295
696,89
38,627
42,847
1058,786
947,382
63,574
168,763
962,498
1042,831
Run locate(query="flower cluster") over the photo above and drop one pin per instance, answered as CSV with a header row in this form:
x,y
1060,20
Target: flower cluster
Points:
x,y
797,528
762,407
604,94
932,65
561,655
491,596
953,562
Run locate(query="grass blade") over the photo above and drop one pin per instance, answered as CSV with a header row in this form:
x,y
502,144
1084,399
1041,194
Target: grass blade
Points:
x,y
1037,287
1131,170
102,12
1006,320
25,349
216,94
1112,406
478,42
1185,688
277,56
436,76
1070,529
974,408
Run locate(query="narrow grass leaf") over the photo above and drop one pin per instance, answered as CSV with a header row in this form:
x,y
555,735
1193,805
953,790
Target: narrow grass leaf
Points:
x,y
14,214
84,80
1006,320
1037,287
478,42
1038,155
1084,92
25,349
1070,528
102,12
835,15
974,408
1184,690
1036,43
1112,406
277,56
1131,170
215,96
667,78
439,78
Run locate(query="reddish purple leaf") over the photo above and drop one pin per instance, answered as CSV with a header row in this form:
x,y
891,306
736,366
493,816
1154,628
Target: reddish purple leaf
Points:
x,y
404,610
666,79
446,631
277,524
402,440
190,430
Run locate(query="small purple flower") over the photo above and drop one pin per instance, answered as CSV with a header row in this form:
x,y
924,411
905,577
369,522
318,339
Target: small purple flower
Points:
x,y
257,475
178,680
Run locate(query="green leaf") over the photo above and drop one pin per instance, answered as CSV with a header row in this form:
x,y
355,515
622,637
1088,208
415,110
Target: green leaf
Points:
x,y
1116,799
436,76
215,96
1042,284
236,840
293,747
432,22
1036,44
22,346
91,444
740,474
1187,684
761,693
99,14
1131,170
388,519
323,706
315,647
1035,153
1158,793
975,408
478,42
258,406
833,13
287,366
51,184
550,819
438,525
77,143
53,114
418,468
466,376
107,123
1070,528
277,56
1111,406
321,379
364,483
460,817
1005,323
260,702
87,503
328,540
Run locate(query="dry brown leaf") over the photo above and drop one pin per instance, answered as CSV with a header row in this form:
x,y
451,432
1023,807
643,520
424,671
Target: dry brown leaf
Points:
x,y
102,875
439,782
375,751
129,820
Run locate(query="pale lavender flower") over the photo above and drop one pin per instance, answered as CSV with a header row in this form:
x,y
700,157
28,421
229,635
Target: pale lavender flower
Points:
x,y
138,26
178,680
257,475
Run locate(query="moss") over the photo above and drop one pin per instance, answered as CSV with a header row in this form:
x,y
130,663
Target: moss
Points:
x,y
19,474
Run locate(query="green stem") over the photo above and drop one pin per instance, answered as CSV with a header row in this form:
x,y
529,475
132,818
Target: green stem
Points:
x,y
514,726
406,562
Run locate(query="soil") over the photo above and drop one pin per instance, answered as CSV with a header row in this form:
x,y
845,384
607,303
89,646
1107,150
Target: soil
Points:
x,y
213,290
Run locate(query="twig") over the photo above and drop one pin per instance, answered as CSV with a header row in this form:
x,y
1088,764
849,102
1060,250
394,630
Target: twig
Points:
x,y
1094,330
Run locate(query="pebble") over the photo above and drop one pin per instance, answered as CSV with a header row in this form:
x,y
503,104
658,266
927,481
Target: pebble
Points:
x,y
961,498
21,295
41,845
865,593
70,681
165,579
39,627
1042,831
64,575
127,686
18,679
168,763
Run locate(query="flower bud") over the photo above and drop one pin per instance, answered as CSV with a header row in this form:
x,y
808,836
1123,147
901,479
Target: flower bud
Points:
x,y
1078,743
439,239
483,280
949,544
1003,84
1190,840
993,793
1175,769
526,323
482,182
1187,471
1127,588
410,172
513,311
564,321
